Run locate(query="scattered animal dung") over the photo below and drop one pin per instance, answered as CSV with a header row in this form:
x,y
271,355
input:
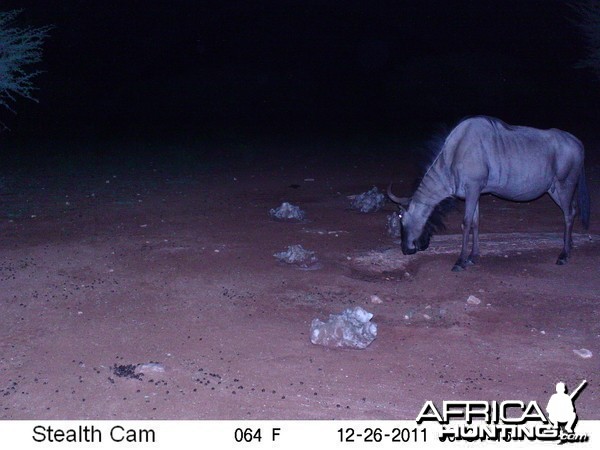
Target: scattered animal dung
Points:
x,y
287,211
126,371
350,329
369,201
583,353
394,225
472,300
297,255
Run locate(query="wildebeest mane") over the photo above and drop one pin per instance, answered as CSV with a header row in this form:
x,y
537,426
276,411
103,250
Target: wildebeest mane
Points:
x,y
427,156
495,122
435,222
428,153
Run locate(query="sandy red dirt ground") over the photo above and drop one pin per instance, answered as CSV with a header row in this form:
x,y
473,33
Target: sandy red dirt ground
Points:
x,y
129,263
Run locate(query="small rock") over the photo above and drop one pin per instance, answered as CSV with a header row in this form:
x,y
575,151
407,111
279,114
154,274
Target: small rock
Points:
x,y
394,225
369,201
150,367
296,254
472,300
376,299
583,353
287,211
351,329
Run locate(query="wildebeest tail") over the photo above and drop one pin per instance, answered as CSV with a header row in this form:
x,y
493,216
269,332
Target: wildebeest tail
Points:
x,y
583,199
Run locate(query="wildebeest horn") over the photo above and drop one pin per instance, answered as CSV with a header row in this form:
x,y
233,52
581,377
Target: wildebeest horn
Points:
x,y
402,201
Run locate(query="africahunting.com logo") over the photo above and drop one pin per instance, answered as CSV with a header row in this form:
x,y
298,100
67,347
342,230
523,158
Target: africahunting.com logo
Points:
x,y
510,420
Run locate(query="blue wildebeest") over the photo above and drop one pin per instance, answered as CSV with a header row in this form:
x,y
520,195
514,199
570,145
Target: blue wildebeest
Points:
x,y
483,155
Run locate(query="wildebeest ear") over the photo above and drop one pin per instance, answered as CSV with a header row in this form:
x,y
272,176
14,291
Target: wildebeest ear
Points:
x,y
402,201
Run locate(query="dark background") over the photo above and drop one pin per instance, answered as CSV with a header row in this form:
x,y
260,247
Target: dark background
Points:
x,y
235,70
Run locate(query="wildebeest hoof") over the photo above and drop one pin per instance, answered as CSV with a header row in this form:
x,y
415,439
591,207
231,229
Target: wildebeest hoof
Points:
x,y
474,259
562,258
457,268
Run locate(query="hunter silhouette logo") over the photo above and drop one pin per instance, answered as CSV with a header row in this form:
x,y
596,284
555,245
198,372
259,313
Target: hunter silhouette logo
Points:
x,y
509,420
561,407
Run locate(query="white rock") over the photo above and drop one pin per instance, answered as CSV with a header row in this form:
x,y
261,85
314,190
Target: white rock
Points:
x,y
287,211
150,367
583,353
351,329
296,254
376,299
369,201
472,300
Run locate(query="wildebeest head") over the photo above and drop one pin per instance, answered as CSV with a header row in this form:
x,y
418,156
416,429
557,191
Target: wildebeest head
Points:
x,y
415,232
416,224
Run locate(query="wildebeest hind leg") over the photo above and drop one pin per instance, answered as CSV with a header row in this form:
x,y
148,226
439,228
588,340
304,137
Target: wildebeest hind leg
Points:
x,y
563,195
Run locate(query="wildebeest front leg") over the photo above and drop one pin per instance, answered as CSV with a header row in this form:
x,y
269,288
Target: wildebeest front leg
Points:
x,y
474,256
471,205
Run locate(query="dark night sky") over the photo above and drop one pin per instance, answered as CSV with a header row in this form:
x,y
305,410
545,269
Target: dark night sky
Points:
x,y
155,69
